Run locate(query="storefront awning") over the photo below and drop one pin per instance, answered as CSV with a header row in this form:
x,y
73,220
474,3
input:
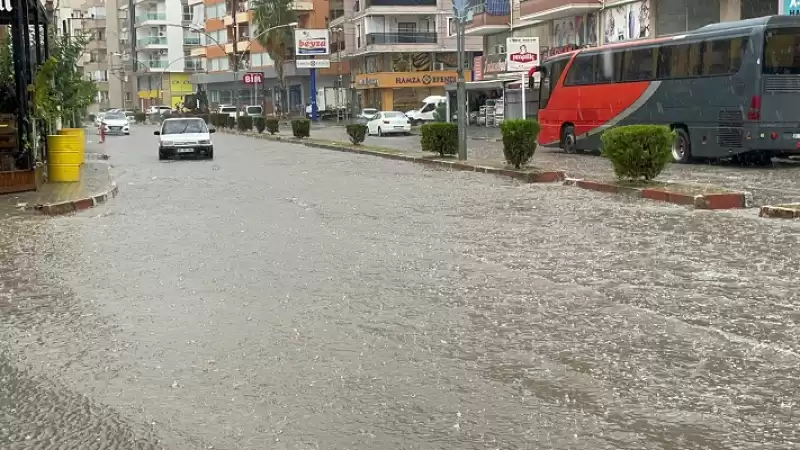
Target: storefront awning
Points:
x,y
477,85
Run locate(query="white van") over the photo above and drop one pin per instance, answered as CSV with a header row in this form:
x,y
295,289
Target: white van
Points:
x,y
425,112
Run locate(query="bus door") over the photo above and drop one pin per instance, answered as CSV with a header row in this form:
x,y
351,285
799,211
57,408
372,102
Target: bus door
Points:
x,y
779,103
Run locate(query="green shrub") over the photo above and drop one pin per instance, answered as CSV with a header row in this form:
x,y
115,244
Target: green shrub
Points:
x,y
244,123
301,128
273,125
440,137
357,133
260,124
139,117
519,140
638,151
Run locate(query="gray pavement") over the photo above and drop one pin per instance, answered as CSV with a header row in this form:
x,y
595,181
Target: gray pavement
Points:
x,y
778,184
283,297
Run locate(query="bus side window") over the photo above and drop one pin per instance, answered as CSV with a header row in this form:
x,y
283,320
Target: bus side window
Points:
x,y
581,71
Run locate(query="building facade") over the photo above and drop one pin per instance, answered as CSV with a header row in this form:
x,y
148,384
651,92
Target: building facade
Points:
x,y
565,25
231,30
98,24
158,41
400,51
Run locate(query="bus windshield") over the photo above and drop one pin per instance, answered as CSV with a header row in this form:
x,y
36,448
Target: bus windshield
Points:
x,y
782,51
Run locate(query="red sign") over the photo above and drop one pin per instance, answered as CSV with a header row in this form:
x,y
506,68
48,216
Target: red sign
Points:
x,y
523,58
477,68
253,78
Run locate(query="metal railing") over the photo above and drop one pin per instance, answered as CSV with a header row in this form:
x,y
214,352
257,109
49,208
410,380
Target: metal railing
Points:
x,y
401,38
151,40
151,16
154,64
192,40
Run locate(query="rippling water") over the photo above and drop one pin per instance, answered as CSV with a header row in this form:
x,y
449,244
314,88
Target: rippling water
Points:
x,y
275,299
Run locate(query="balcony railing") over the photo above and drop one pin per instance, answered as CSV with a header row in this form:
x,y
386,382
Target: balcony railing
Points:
x,y
191,40
371,3
151,16
155,64
151,40
401,38
194,66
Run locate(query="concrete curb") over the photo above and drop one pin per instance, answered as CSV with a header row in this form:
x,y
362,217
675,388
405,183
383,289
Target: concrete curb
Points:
x,y
532,176
780,212
723,200
79,204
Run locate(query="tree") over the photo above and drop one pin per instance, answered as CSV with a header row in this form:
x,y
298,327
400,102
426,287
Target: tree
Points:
x,y
76,92
278,42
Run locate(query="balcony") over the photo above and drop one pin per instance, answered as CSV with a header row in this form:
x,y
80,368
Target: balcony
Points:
x,y
556,9
199,51
489,18
302,6
193,65
240,46
192,40
154,65
151,42
146,17
388,3
400,38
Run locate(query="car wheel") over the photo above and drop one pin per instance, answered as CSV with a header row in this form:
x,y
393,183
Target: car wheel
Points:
x,y
162,156
380,133
210,154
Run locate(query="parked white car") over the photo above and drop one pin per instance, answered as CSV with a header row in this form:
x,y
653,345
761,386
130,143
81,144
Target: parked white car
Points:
x,y
185,136
116,123
389,122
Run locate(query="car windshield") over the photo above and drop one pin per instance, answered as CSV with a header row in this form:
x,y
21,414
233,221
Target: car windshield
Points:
x,y
184,126
369,112
253,109
228,109
393,115
115,116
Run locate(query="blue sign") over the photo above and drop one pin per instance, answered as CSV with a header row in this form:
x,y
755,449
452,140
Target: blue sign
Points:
x,y
791,8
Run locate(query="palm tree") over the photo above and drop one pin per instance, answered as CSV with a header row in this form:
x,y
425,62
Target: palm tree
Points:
x,y
278,42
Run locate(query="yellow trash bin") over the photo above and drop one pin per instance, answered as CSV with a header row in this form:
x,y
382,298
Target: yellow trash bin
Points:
x,y
63,159
78,138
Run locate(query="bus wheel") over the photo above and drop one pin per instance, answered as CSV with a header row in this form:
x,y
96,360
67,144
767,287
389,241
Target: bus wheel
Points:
x,y
568,140
682,147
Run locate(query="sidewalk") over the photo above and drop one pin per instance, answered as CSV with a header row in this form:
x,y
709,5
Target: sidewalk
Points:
x,y
95,186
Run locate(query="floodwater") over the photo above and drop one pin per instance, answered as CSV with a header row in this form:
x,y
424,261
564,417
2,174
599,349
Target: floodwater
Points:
x,y
282,297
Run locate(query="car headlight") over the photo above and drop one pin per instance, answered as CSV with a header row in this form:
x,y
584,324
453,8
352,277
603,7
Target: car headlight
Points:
x,y
166,143
205,142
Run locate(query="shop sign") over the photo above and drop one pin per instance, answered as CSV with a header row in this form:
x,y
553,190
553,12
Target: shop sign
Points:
x,y
522,53
309,42
790,7
477,68
495,64
408,79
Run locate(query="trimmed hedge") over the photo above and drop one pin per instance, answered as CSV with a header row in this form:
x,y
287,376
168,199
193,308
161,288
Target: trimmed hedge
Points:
x,y
638,152
273,125
519,140
441,138
230,122
260,123
357,133
244,123
139,117
301,128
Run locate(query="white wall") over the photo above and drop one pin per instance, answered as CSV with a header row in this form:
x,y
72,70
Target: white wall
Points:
x,y
174,11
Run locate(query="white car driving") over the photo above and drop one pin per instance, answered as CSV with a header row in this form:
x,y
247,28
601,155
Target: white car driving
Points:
x,y
116,123
389,122
185,136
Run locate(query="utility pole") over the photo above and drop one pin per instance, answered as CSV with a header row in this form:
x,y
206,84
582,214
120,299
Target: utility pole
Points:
x,y
460,8
235,90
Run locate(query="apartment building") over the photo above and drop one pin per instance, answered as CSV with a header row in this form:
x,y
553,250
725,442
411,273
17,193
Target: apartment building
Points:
x,y
159,39
230,27
400,51
565,25
90,18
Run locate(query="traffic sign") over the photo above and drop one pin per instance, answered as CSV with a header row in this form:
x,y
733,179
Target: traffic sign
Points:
x,y
313,63
253,78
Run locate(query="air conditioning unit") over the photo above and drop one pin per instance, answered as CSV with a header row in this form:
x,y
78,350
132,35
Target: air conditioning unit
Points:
x,y
438,66
162,52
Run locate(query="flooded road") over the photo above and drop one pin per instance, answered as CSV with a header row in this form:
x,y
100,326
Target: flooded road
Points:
x,y
282,297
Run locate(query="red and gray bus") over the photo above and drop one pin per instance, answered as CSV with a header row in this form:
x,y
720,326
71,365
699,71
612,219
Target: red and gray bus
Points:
x,y
729,90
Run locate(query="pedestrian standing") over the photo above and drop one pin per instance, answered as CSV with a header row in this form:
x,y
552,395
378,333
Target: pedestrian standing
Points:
x,y
102,132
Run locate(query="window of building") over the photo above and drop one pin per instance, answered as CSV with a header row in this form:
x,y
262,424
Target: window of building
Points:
x,y
188,13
